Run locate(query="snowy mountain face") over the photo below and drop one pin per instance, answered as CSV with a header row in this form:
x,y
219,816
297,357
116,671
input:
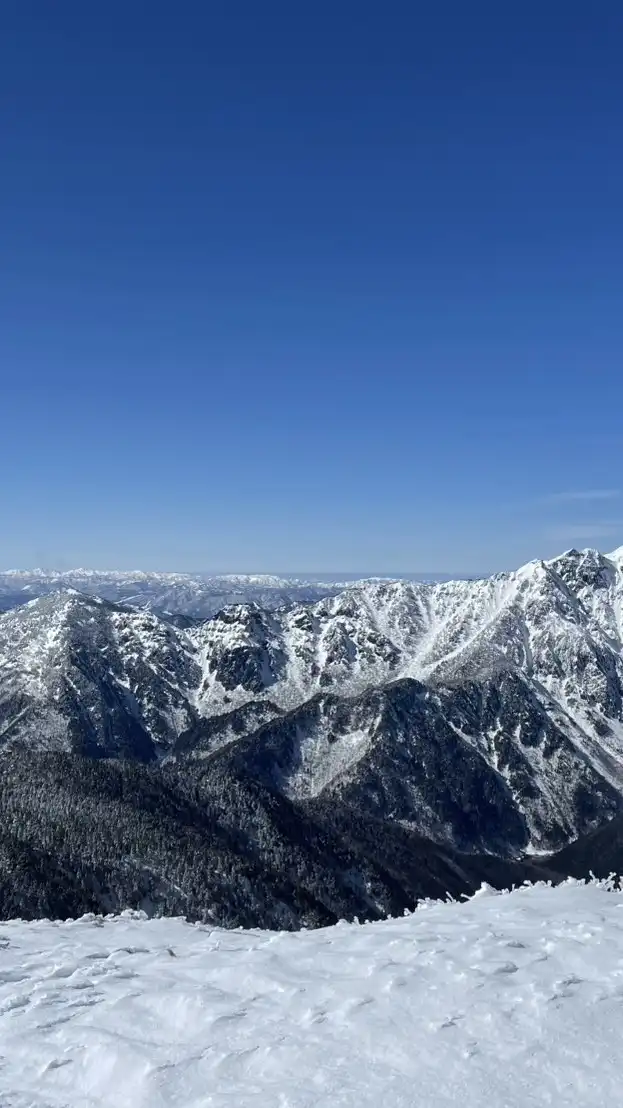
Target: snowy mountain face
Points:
x,y
429,698
78,673
559,623
484,715
183,594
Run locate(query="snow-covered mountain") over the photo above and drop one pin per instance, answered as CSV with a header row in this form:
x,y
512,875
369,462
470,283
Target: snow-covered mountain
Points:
x,y
79,673
485,714
196,596
560,623
514,683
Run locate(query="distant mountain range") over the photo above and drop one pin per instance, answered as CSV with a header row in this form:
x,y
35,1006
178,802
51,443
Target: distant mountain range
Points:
x,y
197,595
385,736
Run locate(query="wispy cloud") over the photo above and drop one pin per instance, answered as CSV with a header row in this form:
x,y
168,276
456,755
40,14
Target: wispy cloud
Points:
x,y
570,532
578,496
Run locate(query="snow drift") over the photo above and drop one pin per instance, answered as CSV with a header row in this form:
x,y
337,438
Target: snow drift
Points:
x,y
512,1000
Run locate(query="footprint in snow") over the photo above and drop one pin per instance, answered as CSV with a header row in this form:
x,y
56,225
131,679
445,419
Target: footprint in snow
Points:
x,y
14,1003
496,969
313,1017
61,971
56,1064
12,977
565,987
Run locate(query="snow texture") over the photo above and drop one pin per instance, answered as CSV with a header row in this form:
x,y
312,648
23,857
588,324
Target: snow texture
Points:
x,y
512,1001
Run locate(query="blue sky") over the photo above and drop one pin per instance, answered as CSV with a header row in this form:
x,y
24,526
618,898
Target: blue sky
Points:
x,y
300,287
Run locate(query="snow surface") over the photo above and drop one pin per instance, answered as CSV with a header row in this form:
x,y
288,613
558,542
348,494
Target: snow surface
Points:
x,y
510,1000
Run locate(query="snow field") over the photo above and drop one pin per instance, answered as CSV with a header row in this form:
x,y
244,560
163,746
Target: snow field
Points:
x,y
508,1000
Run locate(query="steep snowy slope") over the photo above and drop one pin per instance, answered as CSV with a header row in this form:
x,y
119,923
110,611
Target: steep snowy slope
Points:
x,y
79,673
559,622
510,1001
516,736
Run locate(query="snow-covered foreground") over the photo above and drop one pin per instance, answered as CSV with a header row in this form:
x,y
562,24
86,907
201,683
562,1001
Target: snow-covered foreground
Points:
x,y
508,1000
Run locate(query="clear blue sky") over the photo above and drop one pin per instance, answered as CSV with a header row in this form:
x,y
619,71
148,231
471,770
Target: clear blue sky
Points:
x,y
310,286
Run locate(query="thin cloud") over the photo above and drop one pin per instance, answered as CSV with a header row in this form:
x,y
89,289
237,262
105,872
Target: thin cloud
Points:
x,y
580,496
